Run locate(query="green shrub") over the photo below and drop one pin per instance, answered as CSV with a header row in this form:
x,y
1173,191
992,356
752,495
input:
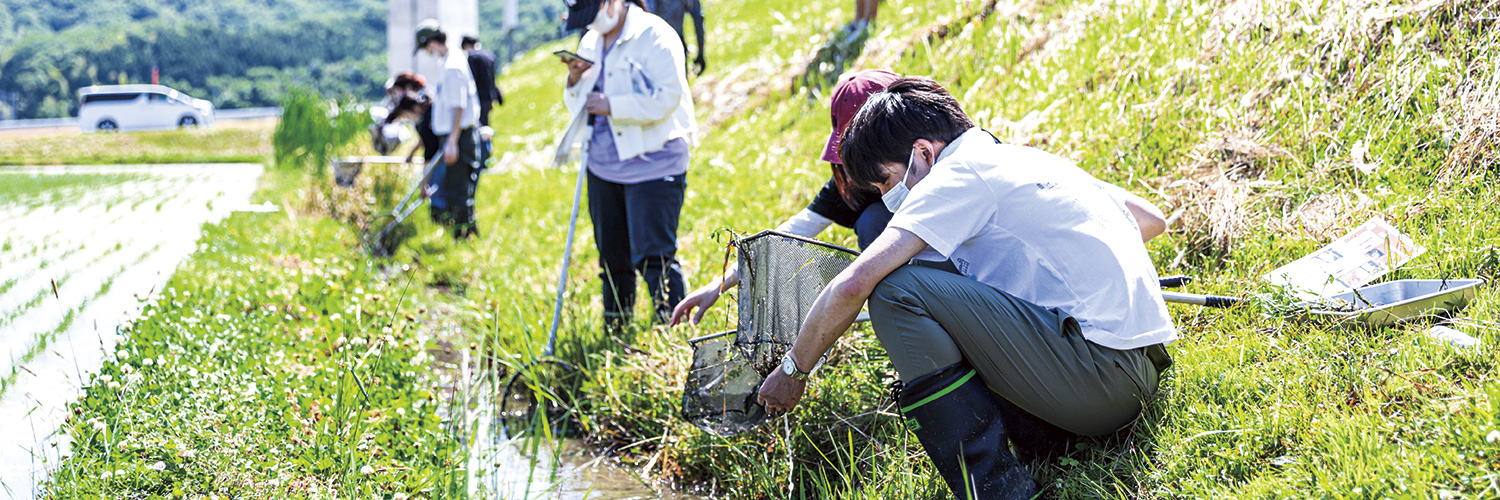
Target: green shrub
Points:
x,y
313,129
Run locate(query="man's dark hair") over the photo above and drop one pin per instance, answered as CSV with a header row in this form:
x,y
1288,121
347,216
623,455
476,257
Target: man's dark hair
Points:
x,y
889,122
439,37
468,41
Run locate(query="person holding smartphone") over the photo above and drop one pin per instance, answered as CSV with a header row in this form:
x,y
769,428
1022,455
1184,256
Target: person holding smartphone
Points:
x,y
628,76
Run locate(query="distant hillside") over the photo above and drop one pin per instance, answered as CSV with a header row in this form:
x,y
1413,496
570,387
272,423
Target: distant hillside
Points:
x,y
236,53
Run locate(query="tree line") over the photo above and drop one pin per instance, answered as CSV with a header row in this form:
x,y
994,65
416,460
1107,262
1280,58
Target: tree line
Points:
x,y
235,53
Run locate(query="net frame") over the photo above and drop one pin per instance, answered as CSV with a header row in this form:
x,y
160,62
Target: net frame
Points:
x,y
781,275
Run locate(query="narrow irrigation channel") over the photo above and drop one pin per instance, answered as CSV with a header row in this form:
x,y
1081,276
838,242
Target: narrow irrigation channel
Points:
x,y
82,250
525,467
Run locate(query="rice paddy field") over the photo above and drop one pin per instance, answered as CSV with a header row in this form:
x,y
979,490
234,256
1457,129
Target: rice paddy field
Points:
x,y
84,248
280,361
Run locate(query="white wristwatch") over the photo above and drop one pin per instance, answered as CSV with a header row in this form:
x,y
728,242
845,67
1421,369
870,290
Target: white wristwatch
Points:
x,y
789,367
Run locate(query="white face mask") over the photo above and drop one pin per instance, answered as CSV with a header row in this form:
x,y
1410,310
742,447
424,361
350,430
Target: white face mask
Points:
x,y
897,194
603,23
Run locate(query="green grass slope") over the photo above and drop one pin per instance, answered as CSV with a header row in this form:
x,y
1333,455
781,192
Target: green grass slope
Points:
x,y
1253,123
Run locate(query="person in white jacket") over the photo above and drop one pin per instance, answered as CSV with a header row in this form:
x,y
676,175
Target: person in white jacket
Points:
x,y
632,86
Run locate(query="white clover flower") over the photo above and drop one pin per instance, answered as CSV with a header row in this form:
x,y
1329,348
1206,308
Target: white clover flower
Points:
x,y
387,330
335,317
401,411
1493,437
122,354
148,361
359,341
106,474
114,386
274,482
399,496
158,466
189,453
367,470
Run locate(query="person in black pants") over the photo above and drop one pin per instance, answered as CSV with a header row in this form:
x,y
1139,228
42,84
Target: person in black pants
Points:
x,y
455,120
632,85
482,65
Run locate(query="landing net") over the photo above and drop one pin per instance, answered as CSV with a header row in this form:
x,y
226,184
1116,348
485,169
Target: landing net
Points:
x,y
780,277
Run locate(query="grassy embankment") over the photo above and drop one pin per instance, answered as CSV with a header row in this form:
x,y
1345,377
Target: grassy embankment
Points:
x,y
1250,120
1265,128
230,142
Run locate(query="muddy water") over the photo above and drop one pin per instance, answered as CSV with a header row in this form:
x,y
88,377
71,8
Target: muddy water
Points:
x,y
563,470
533,468
105,251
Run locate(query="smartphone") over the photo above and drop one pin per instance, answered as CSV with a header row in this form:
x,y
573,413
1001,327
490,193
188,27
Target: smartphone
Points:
x,y
569,55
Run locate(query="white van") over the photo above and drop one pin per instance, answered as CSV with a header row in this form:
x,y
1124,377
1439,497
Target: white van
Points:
x,y
110,108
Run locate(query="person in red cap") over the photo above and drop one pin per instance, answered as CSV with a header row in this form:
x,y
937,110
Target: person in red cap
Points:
x,y
839,202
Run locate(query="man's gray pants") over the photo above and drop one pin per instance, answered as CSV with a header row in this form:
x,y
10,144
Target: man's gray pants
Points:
x,y
1033,356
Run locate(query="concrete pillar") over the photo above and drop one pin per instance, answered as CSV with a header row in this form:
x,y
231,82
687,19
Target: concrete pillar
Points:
x,y
457,17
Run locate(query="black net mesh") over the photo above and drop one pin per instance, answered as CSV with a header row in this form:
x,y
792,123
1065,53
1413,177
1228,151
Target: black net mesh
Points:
x,y
780,277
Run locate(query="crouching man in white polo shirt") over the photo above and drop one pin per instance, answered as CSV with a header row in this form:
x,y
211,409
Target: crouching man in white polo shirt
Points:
x,y
1054,326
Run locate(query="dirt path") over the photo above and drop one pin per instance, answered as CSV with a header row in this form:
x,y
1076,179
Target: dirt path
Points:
x,y
103,247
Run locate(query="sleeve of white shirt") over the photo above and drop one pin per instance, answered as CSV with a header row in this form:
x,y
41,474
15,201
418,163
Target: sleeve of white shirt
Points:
x,y
1122,198
807,224
1118,193
945,209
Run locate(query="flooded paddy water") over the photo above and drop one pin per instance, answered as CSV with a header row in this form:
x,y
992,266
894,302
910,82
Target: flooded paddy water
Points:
x,y
82,249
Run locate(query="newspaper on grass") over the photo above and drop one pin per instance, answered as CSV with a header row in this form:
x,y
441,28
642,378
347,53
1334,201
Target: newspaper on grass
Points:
x,y
1369,252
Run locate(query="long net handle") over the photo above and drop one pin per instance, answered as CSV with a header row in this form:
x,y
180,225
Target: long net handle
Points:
x,y
401,208
562,278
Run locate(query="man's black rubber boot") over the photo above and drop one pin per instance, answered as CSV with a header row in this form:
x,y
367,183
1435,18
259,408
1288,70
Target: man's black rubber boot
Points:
x,y
1035,440
960,424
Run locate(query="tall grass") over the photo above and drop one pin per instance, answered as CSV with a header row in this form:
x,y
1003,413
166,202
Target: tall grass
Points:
x,y
1241,119
312,130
